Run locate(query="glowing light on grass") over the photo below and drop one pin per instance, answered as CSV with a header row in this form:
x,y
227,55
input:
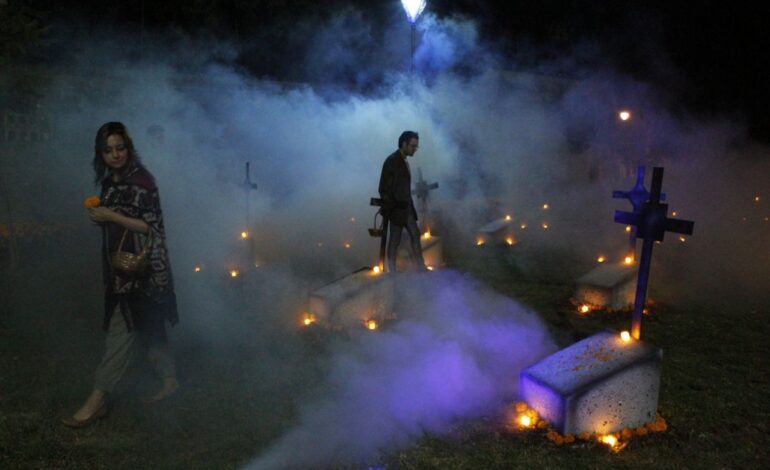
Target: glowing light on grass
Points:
x,y
624,115
609,440
625,336
371,324
413,9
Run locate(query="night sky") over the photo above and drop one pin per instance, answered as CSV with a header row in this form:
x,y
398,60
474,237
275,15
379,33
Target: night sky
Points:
x,y
708,56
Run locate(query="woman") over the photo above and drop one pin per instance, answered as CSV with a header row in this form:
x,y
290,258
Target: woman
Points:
x,y
136,305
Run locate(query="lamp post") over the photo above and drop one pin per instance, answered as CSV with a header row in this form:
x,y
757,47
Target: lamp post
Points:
x,y
413,9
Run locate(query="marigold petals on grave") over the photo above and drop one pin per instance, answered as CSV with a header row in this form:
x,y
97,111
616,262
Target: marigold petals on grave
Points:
x,y
569,438
542,424
641,431
626,433
584,436
552,436
521,407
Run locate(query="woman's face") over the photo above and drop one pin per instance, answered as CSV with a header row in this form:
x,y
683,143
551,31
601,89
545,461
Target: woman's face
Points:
x,y
115,153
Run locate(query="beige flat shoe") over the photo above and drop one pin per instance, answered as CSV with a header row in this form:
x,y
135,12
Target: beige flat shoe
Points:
x,y
71,422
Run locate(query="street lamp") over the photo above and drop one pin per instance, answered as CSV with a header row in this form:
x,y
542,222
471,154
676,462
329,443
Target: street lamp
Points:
x,y
413,9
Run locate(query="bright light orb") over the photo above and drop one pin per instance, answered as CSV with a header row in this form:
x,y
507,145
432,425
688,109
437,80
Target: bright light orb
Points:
x,y
601,259
371,324
429,268
546,206
479,241
545,225
244,235
413,9
509,241
628,228
525,421
426,235
376,270
234,273
628,260
610,440
625,336
585,308
197,269
523,226
507,217
624,115
347,245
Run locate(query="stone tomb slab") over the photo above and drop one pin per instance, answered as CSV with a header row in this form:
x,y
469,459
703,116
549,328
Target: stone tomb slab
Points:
x,y
432,252
497,232
350,301
601,384
611,286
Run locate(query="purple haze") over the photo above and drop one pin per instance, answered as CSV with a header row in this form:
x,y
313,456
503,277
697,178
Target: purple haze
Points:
x,y
455,354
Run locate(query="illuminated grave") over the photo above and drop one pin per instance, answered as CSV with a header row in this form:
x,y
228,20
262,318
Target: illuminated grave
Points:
x,y
601,384
432,252
497,232
610,286
353,300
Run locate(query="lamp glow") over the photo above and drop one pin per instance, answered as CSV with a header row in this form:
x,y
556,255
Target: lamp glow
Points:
x,y
413,9
625,336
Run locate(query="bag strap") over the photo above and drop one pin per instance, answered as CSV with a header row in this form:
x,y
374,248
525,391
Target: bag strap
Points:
x,y
122,239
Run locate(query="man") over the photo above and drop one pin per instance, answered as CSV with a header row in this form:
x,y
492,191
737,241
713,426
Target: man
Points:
x,y
397,204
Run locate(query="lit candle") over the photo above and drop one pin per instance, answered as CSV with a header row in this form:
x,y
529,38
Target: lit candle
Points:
x,y
625,336
601,259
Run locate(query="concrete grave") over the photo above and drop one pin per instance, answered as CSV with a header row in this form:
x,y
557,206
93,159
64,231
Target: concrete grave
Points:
x,y
611,286
354,299
497,232
432,252
601,384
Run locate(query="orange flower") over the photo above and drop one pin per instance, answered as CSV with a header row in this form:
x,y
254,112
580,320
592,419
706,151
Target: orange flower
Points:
x,y
569,438
584,436
542,424
92,201
626,433
521,407
641,431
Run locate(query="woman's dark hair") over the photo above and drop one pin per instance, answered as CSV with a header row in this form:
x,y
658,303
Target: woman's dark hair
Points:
x,y
406,136
108,129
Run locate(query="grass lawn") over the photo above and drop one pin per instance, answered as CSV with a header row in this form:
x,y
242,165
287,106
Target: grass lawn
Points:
x,y
714,391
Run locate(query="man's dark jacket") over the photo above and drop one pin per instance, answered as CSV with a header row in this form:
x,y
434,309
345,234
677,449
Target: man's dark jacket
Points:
x,y
396,190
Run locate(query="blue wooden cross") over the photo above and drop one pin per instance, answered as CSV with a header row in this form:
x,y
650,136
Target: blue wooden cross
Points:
x,y
651,225
637,196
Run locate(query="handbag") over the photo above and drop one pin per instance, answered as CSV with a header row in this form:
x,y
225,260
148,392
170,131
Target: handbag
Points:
x,y
128,262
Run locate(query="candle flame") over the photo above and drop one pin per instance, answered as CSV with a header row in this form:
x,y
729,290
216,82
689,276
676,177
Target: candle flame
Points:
x,y
682,239
429,268
601,259
546,206
347,245
376,270
624,115
244,234
371,324
426,235
628,228
523,226
625,336
509,240
507,217
525,421
234,273
197,269
628,260
673,214
545,225
609,440
756,198
479,241
308,319
584,308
